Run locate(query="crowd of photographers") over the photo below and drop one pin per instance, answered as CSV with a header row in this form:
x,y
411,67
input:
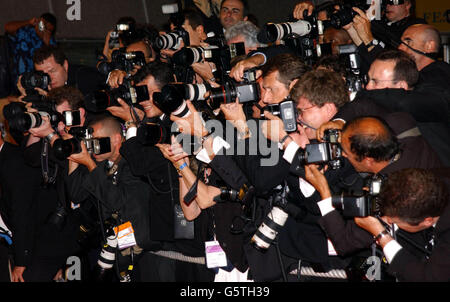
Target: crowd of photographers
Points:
x,y
218,150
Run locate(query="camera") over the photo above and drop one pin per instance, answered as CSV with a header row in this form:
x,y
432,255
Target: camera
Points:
x,y
122,60
272,224
360,204
171,101
121,30
99,100
217,52
328,152
172,40
345,14
247,91
353,78
150,134
243,195
34,79
21,120
64,148
286,111
272,32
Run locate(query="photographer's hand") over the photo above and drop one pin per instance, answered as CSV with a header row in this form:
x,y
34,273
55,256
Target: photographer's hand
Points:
x,y
301,7
336,124
237,72
83,158
317,180
234,113
174,153
116,78
44,129
124,111
362,26
375,227
192,124
273,128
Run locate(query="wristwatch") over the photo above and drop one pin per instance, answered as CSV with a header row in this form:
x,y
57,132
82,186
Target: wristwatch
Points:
x,y
374,42
50,136
381,235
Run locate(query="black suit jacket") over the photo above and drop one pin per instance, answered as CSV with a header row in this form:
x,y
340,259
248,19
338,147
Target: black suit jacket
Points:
x,y
86,79
408,267
17,204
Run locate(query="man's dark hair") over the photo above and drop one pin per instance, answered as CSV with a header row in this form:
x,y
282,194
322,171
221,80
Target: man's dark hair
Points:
x,y
405,67
46,52
193,16
321,86
162,72
288,65
413,195
333,62
50,18
72,95
110,124
378,141
244,4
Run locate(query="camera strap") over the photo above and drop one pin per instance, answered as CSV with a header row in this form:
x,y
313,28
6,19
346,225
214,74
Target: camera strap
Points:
x,y
48,179
192,193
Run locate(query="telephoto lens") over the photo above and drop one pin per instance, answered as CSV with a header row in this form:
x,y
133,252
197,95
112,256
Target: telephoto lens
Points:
x,y
150,134
188,56
35,79
171,101
62,149
272,32
170,41
27,120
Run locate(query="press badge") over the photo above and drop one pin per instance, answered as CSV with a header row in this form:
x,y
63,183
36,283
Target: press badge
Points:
x,y
215,256
125,235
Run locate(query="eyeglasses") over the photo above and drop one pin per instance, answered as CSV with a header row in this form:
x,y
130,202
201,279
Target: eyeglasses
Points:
x,y
301,110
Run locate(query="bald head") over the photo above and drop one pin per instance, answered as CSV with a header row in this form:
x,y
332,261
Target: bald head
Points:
x,y
108,126
370,137
418,39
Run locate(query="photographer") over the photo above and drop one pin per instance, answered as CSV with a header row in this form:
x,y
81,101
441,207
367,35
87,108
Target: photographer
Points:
x,y
52,61
370,146
393,84
415,200
318,96
175,259
56,227
107,177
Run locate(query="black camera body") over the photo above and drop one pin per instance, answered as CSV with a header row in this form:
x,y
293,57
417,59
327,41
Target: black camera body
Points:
x,y
360,204
21,120
345,14
302,36
354,78
150,134
327,152
99,100
64,148
247,91
286,111
122,60
34,79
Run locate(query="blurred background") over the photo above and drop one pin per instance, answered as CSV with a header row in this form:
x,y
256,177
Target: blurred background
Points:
x,y
82,24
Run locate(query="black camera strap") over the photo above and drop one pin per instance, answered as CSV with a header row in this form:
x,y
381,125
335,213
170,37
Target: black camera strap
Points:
x,y
48,179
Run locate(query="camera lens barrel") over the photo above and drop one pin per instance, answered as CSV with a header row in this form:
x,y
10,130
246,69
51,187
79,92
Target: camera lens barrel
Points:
x,y
269,229
168,41
108,254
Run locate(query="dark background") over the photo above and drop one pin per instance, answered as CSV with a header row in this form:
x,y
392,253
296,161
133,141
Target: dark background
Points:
x,y
80,38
